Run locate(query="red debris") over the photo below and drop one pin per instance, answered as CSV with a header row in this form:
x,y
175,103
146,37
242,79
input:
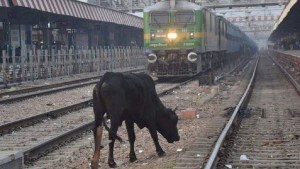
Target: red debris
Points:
x,y
188,114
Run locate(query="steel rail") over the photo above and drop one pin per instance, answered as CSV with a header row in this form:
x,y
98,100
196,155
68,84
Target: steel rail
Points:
x,y
16,125
44,92
231,121
44,87
241,65
236,68
50,88
33,153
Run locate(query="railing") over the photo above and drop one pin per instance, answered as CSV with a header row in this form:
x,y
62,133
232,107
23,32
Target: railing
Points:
x,y
43,63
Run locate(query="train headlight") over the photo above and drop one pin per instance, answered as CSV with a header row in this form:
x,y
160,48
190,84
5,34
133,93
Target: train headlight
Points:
x,y
152,58
152,36
191,35
192,57
172,35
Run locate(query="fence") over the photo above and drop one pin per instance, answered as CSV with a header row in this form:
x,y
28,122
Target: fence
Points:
x,y
43,63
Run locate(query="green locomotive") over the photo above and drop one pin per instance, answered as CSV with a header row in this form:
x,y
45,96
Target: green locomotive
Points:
x,y
183,39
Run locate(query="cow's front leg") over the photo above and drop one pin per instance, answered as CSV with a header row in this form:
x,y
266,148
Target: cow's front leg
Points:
x,y
114,129
154,136
131,137
111,161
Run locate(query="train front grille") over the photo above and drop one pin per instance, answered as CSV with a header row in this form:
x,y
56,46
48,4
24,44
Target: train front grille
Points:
x,y
173,69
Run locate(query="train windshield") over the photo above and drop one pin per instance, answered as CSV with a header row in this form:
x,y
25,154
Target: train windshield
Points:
x,y
160,18
185,17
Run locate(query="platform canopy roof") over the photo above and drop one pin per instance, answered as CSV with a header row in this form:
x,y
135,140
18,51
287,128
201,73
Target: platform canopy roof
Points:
x,y
4,3
77,9
288,22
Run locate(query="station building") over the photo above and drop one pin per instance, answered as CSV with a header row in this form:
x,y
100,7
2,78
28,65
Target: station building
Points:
x,y
56,23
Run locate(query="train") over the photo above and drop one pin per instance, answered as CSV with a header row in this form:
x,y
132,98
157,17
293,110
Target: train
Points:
x,y
183,39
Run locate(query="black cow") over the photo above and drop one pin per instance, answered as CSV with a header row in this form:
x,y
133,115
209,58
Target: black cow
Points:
x,y
133,98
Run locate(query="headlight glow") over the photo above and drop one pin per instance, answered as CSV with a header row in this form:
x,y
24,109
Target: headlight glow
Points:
x,y
191,35
152,36
172,35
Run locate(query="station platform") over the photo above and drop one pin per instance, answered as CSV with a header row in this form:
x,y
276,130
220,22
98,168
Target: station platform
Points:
x,y
289,57
295,53
11,160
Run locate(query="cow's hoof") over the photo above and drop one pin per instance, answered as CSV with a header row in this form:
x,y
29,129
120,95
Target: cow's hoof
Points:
x,y
161,153
94,164
132,158
112,164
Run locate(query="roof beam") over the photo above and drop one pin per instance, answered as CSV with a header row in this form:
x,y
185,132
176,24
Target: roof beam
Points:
x,y
243,4
259,30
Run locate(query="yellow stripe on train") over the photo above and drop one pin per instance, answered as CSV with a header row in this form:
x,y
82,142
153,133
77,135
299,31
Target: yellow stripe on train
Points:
x,y
147,36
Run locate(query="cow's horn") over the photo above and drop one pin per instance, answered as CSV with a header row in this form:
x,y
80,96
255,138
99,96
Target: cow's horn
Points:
x,y
175,108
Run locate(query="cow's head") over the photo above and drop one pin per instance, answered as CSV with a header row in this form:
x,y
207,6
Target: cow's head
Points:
x,y
167,125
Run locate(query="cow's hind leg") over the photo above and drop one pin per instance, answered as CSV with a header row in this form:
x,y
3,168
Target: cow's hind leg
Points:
x,y
154,136
98,113
131,137
114,128
98,138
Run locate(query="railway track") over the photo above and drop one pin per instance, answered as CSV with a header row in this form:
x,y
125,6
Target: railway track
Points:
x,y
199,151
32,106
268,137
264,134
39,135
21,94
60,119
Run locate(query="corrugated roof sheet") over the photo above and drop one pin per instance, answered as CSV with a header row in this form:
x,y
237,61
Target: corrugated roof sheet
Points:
x,y
81,10
284,13
4,3
288,22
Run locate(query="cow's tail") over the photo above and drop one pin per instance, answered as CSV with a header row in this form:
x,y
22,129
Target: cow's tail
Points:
x,y
99,111
99,107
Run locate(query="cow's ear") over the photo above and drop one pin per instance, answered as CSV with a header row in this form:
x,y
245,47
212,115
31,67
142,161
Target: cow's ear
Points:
x,y
174,110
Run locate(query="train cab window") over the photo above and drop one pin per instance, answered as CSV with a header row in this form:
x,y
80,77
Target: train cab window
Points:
x,y
204,22
160,18
225,30
216,26
222,28
210,22
185,17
